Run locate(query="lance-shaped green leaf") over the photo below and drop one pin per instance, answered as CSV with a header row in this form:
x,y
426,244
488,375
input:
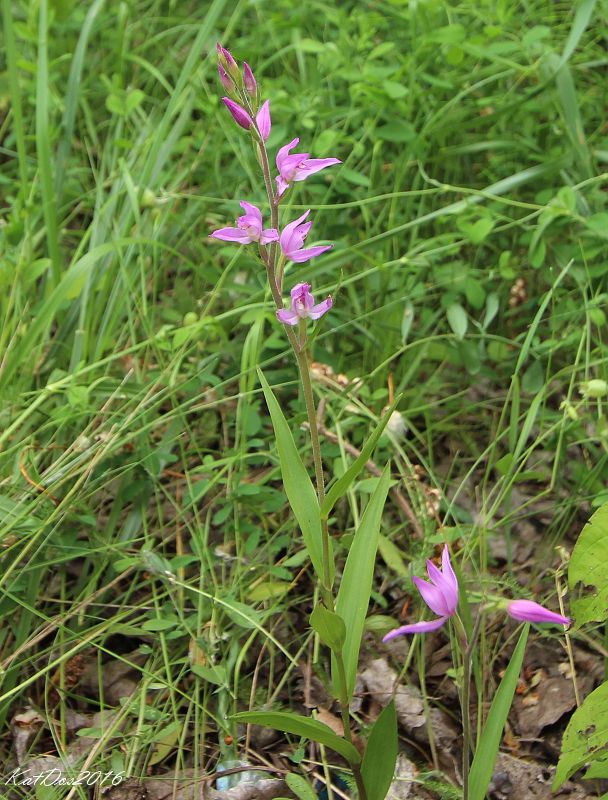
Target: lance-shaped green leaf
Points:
x,y
329,626
298,486
356,584
341,486
378,765
301,726
482,767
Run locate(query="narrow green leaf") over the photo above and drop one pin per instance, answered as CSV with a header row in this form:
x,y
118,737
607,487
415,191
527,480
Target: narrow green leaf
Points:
x,y
489,741
341,486
301,726
298,486
356,583
378,766
587,573
329,626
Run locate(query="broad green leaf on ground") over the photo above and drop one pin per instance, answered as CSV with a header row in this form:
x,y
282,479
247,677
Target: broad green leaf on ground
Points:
x,y
586,738
298,486
587,573
301,726
356,583
340,487
458,320
378,765
491,736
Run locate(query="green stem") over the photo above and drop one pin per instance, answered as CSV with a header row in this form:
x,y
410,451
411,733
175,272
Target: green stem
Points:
x,y
344,710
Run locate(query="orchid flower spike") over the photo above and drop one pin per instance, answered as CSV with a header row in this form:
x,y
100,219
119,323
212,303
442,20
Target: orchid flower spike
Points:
x,y
249,228
298,166
440,595
529,611
303,306
292,241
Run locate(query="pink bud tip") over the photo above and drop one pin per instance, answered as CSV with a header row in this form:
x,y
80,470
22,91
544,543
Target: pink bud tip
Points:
x,y
240,116
249,82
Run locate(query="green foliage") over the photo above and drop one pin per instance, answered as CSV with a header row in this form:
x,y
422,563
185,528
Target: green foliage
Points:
x,y
329,626
356,583
378,765
585,740
587,573
489,741
298,486
301,726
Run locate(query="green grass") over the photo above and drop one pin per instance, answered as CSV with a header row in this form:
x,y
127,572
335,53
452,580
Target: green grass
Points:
x,y
142,513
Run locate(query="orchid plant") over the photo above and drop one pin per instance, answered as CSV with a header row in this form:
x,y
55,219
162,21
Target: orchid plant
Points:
x,y
338,618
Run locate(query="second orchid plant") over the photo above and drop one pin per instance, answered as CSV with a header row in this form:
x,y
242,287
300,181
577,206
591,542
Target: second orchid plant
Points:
x,y
338,617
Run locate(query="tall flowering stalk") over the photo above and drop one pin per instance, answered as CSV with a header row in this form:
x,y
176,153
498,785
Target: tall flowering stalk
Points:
x,y
277,245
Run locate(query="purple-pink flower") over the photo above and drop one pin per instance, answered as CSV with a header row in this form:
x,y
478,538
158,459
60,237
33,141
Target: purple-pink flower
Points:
x,y
292,241
262,120
298,166
440,595
529,611
303,306
249,228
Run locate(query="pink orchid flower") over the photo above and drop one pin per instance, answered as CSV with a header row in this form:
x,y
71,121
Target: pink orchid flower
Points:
x,y
303,306
298,166
249,81
249,228
292,241
440,595
242,117
529,611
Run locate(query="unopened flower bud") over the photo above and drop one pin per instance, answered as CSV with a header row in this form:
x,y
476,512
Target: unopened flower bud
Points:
x,y
595,388
240,116
226,81
251,86
228,63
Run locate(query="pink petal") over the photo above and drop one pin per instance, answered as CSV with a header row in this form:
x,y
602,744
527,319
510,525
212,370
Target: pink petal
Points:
x,y
416,627
321,308
299,256
263,120
287,316
312,165
284,151
433,597
288,231
444,585
299,289
449,575
282,185
269,235
231,235
249,80
252,211
529,611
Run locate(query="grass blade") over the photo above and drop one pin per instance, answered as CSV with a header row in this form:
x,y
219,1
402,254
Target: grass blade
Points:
x,y
489,741
340,487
